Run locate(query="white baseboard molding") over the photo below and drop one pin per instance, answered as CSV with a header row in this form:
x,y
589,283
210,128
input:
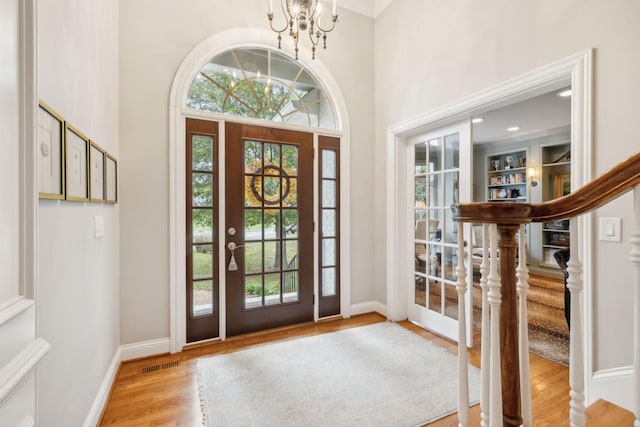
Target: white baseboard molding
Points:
x,y
103,392
368,307
124,353
614,385
145,349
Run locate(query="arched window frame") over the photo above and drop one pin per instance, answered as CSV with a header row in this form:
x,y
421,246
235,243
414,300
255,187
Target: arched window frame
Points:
x,y
262,84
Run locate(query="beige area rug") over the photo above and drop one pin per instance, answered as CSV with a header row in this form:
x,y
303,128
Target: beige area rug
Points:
x,y
375,375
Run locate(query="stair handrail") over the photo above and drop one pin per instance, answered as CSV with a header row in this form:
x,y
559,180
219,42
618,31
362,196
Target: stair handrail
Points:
x,y
607,187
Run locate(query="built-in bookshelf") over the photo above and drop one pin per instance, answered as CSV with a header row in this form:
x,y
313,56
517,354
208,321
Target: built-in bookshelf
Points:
x,y
507,177
556,182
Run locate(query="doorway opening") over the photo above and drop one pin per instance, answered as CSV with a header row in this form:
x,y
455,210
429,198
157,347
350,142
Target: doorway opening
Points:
x,y
573,71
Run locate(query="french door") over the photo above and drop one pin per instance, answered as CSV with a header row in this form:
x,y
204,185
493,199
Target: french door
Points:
x,y
269,227
440,174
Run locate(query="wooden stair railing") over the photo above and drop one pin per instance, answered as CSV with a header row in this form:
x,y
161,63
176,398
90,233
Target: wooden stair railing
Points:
x,y
506,399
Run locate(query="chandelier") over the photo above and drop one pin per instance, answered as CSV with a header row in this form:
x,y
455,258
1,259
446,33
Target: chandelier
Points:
x,y
301,16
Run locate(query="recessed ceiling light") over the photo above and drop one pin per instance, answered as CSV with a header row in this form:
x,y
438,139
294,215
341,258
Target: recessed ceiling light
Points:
x,y
513,128
477,120
565,93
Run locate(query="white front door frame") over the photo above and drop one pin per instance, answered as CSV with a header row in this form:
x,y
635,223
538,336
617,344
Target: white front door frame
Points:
x,y
200,55
576,68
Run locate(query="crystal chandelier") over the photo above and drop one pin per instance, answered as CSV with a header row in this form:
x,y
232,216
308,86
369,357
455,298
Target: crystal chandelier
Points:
x,y
301,16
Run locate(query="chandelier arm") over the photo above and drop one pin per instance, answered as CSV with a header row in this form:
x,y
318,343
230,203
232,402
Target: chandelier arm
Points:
x,y
275,30
313,36
334,19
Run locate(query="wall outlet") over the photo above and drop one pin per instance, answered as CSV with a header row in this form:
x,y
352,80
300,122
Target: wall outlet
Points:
x,y
98,227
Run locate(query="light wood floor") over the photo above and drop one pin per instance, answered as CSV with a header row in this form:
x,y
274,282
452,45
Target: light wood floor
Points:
x,y
163,390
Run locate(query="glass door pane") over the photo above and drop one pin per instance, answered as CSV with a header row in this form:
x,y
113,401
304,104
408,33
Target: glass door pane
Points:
x,y
270,224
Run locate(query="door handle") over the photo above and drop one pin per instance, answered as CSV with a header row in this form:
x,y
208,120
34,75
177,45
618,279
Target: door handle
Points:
x,y
233,265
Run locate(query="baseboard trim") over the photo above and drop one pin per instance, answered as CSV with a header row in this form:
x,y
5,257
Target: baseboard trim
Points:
x,y
95,413
145,349
123,353
368,307
614,385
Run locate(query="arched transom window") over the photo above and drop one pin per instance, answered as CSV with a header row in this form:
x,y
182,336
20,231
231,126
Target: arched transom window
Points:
x,y
262,84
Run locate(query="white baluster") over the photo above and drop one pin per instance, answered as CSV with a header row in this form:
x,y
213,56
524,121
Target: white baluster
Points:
x,y
486,331
463,363
635,259
522,272
495,298
576,358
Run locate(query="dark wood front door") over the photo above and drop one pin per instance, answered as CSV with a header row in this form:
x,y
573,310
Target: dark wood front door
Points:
x,y
269,220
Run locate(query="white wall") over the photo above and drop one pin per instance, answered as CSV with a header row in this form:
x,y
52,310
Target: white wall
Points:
x,y
466,46
155,36
78,300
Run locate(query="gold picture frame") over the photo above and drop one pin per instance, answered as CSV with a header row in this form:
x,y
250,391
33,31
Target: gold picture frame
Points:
x,y
51,160
111,179
76,165
96,173
561,184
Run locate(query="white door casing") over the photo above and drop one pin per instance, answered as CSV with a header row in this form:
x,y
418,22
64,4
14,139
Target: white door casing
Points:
x,y
576,68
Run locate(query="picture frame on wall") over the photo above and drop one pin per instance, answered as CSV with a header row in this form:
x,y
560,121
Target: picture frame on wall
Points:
x,y
96,173
51,162
76,165
111,179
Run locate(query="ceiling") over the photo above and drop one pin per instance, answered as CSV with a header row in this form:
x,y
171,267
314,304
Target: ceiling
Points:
x,y
533,116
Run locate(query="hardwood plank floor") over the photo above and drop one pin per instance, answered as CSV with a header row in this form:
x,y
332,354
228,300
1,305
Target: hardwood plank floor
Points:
x,y
163,390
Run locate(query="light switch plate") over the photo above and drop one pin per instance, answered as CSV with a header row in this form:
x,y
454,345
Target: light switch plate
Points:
x,y
98,227
610,229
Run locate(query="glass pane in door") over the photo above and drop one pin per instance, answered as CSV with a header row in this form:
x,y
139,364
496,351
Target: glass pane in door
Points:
x,y
202,226
270,224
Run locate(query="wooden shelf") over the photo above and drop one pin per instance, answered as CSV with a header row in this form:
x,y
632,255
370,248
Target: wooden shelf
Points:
x,y
503,171
506,185
550,165
506,199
